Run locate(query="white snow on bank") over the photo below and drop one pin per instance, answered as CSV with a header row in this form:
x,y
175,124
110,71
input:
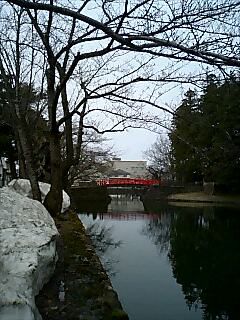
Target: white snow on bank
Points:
x,y
27,254
23,187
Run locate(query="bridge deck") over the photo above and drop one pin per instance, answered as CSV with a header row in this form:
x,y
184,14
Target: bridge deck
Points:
x,y
127,181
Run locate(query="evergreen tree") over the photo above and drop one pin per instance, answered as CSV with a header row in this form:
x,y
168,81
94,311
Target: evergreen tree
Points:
x,y
206,134
184,138
35,126
220,134
7,139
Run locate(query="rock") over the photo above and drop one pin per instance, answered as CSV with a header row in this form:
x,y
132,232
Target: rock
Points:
x,y
22,186
27,254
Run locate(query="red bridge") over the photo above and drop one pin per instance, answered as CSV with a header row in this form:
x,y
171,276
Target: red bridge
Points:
x,y
125,216
112,182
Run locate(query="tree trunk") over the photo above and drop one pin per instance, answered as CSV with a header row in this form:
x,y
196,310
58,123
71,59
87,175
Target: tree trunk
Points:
x,y
22,167
27,151
53,200
69,158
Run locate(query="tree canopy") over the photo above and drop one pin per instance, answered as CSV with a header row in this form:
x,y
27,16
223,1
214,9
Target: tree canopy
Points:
x,y
206,134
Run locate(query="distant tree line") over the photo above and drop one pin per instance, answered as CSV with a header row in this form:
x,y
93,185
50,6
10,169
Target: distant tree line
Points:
x,y
204,142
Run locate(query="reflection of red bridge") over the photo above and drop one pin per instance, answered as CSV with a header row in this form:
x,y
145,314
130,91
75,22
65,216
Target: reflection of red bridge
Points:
x,y
126,216
112,182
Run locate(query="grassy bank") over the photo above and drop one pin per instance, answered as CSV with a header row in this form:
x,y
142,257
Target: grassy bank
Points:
x,y
80,288
205,198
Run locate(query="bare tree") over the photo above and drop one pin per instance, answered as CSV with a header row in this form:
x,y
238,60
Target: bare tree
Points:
x,y
94,158
18,75
112,58
204,31
159,156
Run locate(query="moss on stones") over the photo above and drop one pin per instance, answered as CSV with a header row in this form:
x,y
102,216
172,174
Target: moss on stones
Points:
x,y
119,314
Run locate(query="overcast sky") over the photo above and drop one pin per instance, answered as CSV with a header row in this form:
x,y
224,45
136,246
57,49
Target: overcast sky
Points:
x,y
130,145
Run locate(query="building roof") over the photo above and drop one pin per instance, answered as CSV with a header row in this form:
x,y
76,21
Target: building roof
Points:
x,y
118,172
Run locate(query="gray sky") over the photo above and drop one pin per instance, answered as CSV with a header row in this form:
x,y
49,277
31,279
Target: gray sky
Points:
x,y
131,144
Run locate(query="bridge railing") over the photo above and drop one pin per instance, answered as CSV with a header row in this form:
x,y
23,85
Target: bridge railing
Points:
x,y
127,181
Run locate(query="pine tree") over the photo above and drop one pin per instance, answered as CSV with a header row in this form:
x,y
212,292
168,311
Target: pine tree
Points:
x,y
206,134
183,138
220,138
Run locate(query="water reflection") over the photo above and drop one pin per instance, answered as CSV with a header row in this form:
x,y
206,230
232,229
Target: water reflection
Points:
x,y
203,247
124,203
158,230
103,242
199,248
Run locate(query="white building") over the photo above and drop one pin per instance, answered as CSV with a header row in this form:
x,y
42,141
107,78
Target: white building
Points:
x,y
129,168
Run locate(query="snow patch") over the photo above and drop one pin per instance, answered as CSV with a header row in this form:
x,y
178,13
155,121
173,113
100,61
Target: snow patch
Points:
x,y
27,254
23,187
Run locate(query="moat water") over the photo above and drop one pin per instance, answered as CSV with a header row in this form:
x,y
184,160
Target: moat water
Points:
x,y
168,262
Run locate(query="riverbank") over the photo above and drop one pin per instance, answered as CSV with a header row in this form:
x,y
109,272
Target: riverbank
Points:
x,y
80,287
204,198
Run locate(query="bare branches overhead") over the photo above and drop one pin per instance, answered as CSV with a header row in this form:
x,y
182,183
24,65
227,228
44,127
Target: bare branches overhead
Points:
x,y
204,31
106,64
